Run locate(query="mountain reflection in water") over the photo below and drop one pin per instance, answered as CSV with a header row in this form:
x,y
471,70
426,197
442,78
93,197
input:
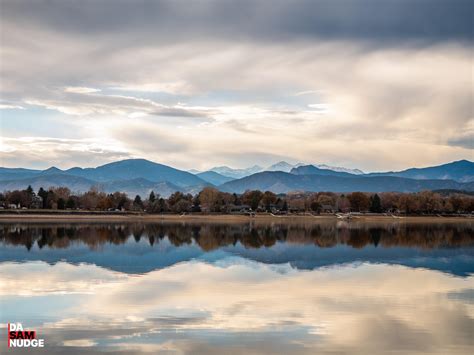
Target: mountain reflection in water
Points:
x,y
250,288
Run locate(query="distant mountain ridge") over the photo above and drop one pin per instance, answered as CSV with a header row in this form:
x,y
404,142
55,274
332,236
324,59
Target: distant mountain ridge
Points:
x,y
137,168
461,170
313,170
140,176
279,166
214,178
140,186
133,176
281,182
75,183
236,173
339,169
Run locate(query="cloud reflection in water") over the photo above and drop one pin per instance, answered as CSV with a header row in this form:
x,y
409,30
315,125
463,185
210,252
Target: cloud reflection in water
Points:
x,y
242,306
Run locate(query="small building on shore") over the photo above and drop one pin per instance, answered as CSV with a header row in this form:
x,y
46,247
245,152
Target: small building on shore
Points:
x,y
36,202
328,209
240,209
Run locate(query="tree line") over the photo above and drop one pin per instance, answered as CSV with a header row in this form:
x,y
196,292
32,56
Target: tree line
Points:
x,y
211,200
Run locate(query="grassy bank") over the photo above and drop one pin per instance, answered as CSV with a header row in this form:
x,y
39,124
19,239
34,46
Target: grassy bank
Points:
x,y
99,216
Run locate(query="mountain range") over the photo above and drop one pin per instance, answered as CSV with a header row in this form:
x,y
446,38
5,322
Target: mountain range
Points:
x,y
133,176
281,182
461,170
140,176
280,166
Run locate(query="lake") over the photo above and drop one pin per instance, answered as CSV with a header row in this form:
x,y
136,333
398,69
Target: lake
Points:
x,y
330,287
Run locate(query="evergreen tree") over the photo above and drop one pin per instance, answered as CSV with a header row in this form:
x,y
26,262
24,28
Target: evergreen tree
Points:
x,y
44,195
375,204
61,203
138,202
152,197
30,191
70,203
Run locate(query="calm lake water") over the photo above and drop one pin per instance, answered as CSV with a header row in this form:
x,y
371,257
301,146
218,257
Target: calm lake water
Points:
x,y
250,288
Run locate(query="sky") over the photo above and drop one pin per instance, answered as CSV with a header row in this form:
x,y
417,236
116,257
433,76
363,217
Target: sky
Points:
x,y
368,84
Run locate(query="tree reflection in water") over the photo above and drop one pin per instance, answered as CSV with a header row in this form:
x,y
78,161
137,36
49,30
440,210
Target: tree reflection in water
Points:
x,y
251,235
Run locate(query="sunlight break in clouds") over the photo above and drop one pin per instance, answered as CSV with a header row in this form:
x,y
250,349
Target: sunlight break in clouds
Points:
x,y
395,94
81,90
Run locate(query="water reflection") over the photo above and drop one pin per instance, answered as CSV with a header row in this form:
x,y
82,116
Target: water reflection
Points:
x,y
140,248
240,288
242,306
213,236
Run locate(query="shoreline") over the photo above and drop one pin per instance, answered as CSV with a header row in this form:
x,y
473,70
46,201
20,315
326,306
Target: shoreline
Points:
x,y
103,217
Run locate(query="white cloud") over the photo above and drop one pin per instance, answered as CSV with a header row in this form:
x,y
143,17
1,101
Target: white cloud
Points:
x,y
308,92
321,109
80,90
157,87
42,152
11,107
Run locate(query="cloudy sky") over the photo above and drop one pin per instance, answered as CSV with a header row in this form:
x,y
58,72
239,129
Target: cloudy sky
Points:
x,y
364,84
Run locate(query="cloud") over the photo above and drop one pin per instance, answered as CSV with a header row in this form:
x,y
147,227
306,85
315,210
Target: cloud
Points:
x,y
168,21
465,140
307,92
306,87
169,87
11,107
320,108
83,101
42,152
80,90
152,139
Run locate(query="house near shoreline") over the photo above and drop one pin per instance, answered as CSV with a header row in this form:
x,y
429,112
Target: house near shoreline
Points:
x,y
36,202
240,209
328,209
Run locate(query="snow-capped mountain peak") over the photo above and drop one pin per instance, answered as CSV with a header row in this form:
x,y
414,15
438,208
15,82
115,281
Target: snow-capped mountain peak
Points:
x,y
280,166
236,173
340,169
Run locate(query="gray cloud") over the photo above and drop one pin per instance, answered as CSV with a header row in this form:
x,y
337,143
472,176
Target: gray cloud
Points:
x,y
97,103
165,21
464,141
